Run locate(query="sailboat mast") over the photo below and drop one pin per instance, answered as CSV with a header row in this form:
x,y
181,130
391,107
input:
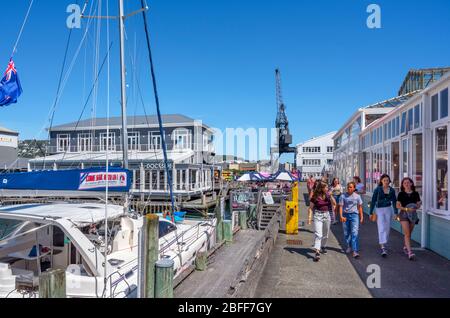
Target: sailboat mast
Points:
x,y
123,86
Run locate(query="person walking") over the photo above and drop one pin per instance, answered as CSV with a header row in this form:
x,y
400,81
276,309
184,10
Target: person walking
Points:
x,y
408,202
310,185
384,203
336,191
351,215
319,210
360,188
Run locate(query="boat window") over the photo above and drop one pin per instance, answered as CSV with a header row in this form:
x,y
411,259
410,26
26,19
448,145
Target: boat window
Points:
x,y
8,227
58,237
166,228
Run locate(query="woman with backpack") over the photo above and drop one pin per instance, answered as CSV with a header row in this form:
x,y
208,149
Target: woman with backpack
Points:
x,y
384,203
408,202
322,203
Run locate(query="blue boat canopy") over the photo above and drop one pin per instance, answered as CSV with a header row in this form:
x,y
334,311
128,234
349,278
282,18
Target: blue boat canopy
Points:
x,y
94,179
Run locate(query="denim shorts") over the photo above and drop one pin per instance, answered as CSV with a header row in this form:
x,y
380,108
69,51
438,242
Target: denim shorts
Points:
x,y
410,217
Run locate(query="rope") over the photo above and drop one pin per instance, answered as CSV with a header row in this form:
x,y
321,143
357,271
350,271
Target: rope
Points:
x,y
22,28
155,90
90,94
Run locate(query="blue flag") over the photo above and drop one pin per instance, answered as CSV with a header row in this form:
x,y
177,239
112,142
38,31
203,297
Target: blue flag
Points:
x,y
10,88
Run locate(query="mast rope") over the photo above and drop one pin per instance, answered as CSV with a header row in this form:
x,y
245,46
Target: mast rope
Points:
x,y
155,90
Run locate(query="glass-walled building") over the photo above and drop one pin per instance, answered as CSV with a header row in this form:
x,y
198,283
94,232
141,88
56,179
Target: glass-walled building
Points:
x,y
410,140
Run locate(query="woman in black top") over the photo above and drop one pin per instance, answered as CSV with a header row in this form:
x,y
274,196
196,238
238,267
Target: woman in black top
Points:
x,y
408,202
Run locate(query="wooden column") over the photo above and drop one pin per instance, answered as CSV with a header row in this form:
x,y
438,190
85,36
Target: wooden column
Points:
x,y
228,231
243,220
164,278
150,254
52,284
201,261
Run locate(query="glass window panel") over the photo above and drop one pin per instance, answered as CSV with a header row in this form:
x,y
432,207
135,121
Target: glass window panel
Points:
x,y
444,103
396,164
417,116
417,168
441,168
435,107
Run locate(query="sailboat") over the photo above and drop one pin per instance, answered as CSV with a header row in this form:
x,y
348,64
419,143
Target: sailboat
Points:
x,y
96,244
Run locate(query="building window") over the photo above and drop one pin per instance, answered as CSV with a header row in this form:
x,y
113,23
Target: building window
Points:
x,y
444,103
435,107
417,117
182,139
330,149
403,128
63,143
311,162
329,162
410,120
405,158
133,141
396,164
397,126
85,142
417,166
311,149
155,141
441,168
108,143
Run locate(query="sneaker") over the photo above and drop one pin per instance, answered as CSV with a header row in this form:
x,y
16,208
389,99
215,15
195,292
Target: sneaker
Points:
x,y
355,255
348,250
317,257
411,256
384,252
323,250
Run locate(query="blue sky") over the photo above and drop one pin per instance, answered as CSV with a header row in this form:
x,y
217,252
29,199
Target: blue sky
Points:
x,y
215,60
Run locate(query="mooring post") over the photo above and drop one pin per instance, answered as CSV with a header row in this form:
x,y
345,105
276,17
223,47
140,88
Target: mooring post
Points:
x,y
228,231
52,284
150,257
201,261
243,220
219,227
164,278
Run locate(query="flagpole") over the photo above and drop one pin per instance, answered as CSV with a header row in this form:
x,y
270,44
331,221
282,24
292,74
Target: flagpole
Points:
x,y
123,85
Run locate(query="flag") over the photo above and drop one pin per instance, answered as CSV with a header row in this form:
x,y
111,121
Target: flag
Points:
x,y
10,88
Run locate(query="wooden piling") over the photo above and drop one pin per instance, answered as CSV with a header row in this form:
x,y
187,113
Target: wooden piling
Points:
x,y
52,284
201,261
228,231
243,220
164,278
150,250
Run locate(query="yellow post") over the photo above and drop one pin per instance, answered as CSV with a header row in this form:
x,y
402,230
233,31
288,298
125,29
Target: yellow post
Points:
x,y
292,212
291,218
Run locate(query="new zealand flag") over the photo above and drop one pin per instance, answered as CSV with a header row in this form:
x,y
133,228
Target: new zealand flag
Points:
x,y
10,88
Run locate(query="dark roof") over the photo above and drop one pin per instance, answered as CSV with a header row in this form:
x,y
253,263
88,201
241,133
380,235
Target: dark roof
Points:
x,y
132,121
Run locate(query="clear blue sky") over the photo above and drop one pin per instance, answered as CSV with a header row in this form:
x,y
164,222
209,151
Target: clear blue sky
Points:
x,y
215,60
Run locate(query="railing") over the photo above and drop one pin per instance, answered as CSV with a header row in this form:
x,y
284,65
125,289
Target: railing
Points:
x,y
118,147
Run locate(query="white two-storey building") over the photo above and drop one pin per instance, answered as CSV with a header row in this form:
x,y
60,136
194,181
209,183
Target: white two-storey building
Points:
x,y
315,156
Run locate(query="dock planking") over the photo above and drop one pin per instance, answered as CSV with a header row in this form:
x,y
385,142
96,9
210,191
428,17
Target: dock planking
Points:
x,y
224,268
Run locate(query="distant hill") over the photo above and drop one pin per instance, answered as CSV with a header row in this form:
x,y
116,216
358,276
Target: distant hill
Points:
x,y
32,148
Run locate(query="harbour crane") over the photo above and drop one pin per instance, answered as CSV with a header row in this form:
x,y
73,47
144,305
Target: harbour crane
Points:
x,y
284,138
